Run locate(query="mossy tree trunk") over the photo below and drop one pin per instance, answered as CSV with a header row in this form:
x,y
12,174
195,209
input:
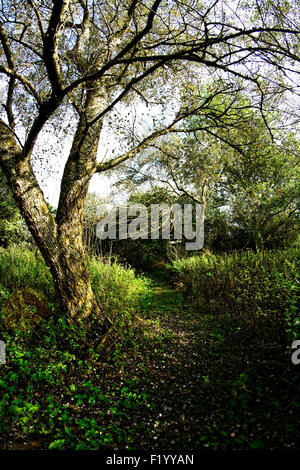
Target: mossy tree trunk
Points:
x,y
60,239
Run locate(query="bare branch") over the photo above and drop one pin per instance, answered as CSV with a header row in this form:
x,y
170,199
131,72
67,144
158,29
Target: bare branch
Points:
x,y
51,37
116,60
38,16
26,83
143,144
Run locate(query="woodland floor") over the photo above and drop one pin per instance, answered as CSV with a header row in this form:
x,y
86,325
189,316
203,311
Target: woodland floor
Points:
x,y
214,385
185,380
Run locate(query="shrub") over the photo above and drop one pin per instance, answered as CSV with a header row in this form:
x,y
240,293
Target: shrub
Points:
x,y
254,288
115,287
24,309
21,267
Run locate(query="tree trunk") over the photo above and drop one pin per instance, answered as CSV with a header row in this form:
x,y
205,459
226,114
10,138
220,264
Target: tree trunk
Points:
x,y
60,239
59,243
72,282
72,279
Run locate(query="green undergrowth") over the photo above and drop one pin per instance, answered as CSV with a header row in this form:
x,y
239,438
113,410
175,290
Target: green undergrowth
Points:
x,y
54,395
200,358
115,286
254,289
54,392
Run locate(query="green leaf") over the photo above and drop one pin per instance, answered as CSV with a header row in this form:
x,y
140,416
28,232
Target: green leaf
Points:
x,y
256,444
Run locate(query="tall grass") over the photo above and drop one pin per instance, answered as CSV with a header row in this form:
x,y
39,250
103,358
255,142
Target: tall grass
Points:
x,y
247,286
115,286
21,267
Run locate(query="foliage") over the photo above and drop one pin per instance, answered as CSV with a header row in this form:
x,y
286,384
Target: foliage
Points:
x,y
179,377
12,226
21,267
116,287
255,288
245,174
50,392
23,275
24,309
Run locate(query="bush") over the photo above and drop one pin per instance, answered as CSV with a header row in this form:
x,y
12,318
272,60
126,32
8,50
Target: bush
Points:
x,y
21,267
115,287
24,309
254,288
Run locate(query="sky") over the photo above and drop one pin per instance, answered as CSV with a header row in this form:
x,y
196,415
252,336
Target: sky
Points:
x,y
49,176
53,144
49,164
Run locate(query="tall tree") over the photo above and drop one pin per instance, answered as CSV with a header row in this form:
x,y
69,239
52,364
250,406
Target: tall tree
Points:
x,y
249,170
262,185
86,56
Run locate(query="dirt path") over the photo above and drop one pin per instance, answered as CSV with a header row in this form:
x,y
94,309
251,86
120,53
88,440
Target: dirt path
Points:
x,y
178,372
210,389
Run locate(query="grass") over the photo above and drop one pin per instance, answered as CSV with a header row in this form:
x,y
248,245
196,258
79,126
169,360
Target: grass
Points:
x,y
254,289
184,372
21,267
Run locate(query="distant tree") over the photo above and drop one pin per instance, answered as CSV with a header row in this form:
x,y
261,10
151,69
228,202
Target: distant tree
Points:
x,y
246,174
263,187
